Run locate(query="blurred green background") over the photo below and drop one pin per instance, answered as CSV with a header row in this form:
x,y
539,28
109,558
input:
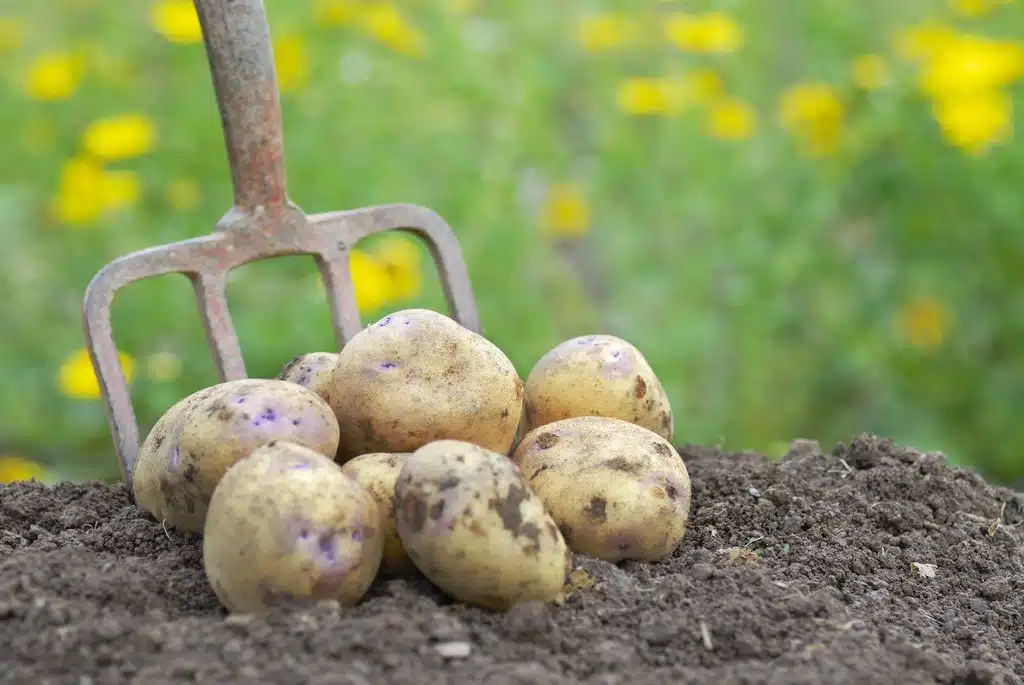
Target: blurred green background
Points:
x,y
807,214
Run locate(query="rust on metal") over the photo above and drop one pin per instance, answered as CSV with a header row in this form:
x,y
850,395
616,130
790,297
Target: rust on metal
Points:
x,y
262,223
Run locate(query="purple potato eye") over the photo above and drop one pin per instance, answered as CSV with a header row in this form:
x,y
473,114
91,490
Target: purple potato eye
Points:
x,y
240,400
389,365
385,321
407,322
176,458
357,535
326,547
304,533
296,422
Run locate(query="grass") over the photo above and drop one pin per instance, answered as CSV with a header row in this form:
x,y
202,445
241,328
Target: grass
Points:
x,y
777,294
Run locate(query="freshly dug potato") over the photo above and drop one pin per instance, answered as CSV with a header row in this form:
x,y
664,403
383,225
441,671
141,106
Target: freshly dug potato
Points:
x,y
596,375
377,473
617,490
312,371
473,526
417,376
193,444
285,523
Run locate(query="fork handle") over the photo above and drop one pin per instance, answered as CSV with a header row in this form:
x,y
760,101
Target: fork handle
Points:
x,y
241,58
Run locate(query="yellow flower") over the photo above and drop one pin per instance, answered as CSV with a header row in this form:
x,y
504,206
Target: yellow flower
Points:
x,y
702,85
334,12
976,8
971,64
923,41
385,23
605,31
870,72
372,285
119,137
12,34
177,21
565,211
924,322
14,468
291,60
87,191
401,261
183,194
77,377
53,76
163,366
731,119
814,113
646,96
975,122
711,32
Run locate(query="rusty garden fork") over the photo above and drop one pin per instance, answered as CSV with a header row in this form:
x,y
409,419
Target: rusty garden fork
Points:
x,y
262,223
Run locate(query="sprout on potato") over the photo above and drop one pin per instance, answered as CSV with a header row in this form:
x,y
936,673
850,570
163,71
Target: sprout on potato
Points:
x,y
476,529
285,523
378,473
596,375
311,371
617,490
199,438
417,376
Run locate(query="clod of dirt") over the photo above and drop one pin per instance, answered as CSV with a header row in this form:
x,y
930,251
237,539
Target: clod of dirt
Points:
x,y
92,589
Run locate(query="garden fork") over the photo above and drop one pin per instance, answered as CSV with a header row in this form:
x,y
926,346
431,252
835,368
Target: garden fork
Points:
x,y
263,223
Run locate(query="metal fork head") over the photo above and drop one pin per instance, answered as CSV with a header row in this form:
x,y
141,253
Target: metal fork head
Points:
x,y
263,223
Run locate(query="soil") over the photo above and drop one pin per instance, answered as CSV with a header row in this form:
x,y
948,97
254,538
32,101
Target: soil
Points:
x,y
869,564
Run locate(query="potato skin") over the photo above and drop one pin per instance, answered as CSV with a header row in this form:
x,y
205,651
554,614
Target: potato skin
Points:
x,y
311,371
596,375
417,376
377,473
193,444
476,529
616,490
285,523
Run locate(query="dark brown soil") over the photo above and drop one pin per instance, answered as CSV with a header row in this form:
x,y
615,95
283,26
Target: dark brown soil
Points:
x,y
799,571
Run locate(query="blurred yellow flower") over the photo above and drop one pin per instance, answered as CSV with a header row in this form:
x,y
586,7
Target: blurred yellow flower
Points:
x,y
647,96
924,322
77,377
87,191
975,122
401,261
14,468
386,23
565,211
702,85
976,8
605,31
814,113
183,194
711,32
870,72
923,41
119,137
177,21
970,63
12,34
163,366
731,119
53,76
334,12
291,60
372,285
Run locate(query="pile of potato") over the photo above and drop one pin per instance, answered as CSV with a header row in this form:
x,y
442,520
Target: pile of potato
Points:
x,y
418,449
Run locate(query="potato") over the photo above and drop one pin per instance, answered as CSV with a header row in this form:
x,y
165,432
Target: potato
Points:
x,y
417,376
377,473
312,371
476,530
616,490
596,375
194,443
285,523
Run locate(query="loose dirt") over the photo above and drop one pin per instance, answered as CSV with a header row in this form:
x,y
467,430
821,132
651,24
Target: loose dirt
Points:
x,y
869,564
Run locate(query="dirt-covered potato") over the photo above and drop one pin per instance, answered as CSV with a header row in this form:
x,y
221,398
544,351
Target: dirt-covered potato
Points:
x,y
596,375
193,444
417,376
285,523
616,490
473,526
377,473
312,371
